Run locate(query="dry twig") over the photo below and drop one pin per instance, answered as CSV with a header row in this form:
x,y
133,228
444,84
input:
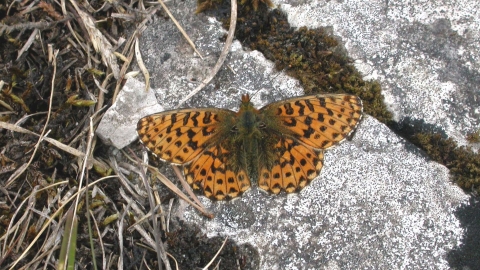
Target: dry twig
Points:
x,y
223,55
181,29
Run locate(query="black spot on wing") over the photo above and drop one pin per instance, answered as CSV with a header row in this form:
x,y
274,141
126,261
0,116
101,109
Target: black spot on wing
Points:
x,y
320,117
309,105
308,121
288,109
194,119
190,134
322,102
186,118
301,107
308,132
207,119
291,122
193,145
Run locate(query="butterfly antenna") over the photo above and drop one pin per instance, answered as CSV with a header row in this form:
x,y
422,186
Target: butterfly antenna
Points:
x,y
254,94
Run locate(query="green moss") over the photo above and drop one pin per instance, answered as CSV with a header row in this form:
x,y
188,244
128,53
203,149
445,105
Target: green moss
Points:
x,y
204,5
464,164
474,137
255,3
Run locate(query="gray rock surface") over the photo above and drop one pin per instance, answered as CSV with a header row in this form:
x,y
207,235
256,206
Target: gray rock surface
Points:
x,y
118,124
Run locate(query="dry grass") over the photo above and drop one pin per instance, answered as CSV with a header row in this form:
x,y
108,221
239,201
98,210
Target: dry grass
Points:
x,y
62,203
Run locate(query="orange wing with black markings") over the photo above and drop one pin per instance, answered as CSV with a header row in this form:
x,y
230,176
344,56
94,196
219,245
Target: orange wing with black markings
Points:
x,y
319,121
189,137
179,136
295,167
212,173
307,126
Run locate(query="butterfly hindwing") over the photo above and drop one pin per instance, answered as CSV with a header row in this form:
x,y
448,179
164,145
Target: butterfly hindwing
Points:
x,y
211,173
294,167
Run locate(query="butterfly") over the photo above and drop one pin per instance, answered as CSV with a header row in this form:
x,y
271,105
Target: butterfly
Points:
x,y
280,145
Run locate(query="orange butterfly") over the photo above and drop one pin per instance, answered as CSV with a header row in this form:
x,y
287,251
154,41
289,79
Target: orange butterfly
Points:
x,y
281,144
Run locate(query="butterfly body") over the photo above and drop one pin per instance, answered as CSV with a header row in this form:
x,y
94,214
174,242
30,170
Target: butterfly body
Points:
x,y
249,136
280,145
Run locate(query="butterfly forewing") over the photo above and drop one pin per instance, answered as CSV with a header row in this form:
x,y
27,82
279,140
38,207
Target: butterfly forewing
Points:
x,y
179,136
318,121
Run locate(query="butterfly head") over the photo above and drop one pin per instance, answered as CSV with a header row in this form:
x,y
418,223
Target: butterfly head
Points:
x,y
246,105
248,124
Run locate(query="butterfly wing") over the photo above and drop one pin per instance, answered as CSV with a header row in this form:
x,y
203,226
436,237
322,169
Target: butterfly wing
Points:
x,y
192,138
304,126
294,166
319,121
212,173
178,136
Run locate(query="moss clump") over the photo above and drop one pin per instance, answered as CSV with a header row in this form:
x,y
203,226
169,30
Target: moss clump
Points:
x,y
474,137
204,5
256,3
464,164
